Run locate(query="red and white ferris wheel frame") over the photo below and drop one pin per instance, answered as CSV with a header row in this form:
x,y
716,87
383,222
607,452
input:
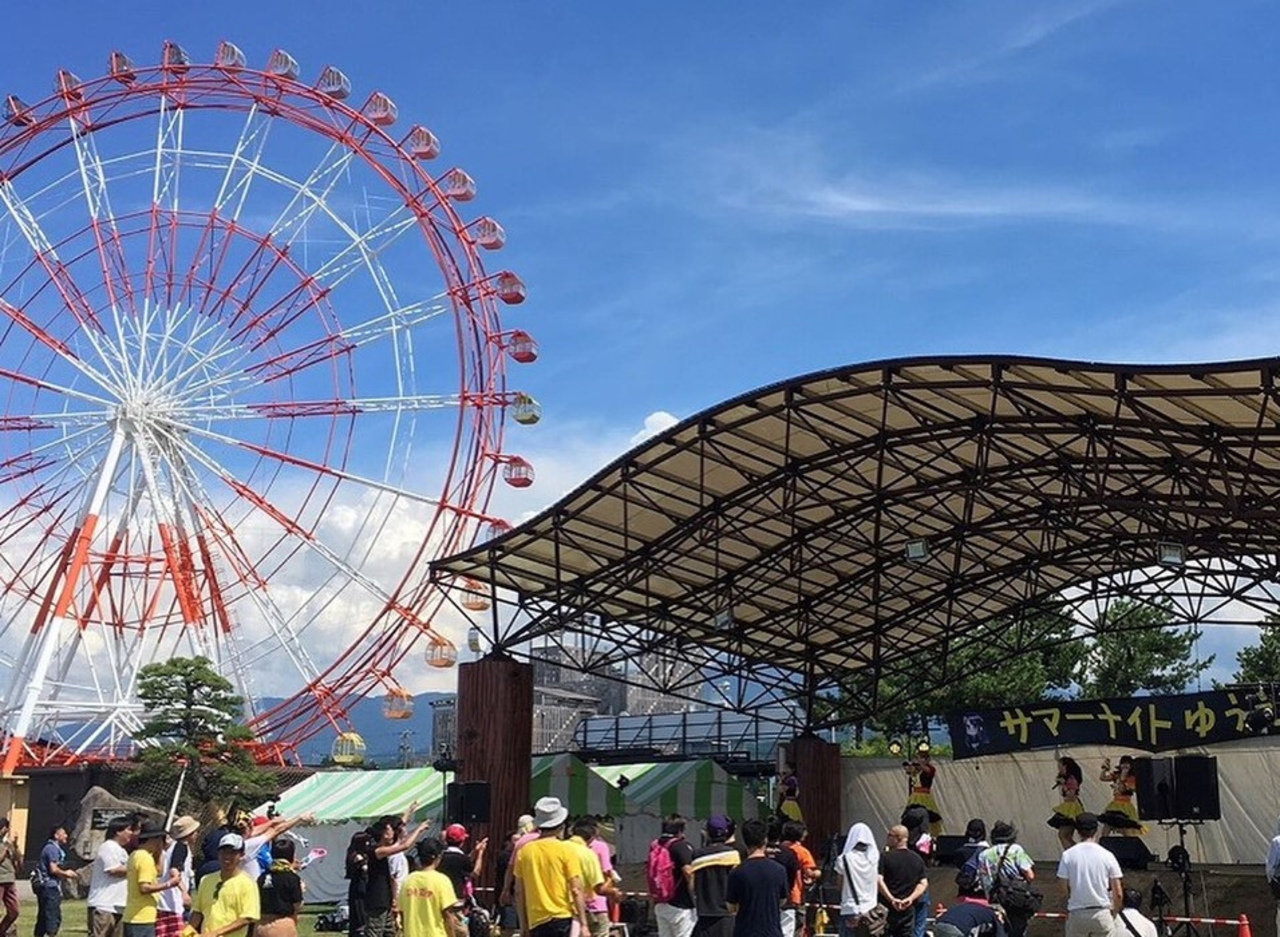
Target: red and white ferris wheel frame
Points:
x,y
73,117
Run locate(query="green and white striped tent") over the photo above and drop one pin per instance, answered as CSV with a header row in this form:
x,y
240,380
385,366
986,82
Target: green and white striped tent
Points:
x,y
345,802
579,788
339,796
693,789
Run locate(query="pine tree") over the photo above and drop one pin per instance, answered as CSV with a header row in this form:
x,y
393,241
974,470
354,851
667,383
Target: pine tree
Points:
x,y
195,719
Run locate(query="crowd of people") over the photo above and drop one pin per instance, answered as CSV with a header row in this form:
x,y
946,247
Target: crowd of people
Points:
x,y
149,881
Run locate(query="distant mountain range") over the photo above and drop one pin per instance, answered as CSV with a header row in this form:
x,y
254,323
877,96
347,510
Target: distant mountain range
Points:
x,y
382,736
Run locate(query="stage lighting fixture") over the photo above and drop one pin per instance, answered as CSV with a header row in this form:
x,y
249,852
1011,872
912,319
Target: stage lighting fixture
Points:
x,y
1171,554
917,550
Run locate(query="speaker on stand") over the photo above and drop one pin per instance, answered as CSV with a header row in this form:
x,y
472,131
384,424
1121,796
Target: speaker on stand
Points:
x,y
466,802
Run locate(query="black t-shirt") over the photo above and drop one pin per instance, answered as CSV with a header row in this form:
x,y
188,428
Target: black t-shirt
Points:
x,y
458,867
377,895
681,855
902,870
970,917
758,887
279,892
711,881
785,857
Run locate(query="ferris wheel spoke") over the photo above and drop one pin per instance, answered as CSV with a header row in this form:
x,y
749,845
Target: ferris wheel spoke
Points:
x,y
311,194
106,232
295,409
379,328
59,348
246,154
42,249
291,527
365,247
316,467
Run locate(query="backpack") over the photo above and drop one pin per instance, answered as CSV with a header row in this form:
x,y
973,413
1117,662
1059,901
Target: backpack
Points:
x,y
968,880
660,870
479,923
1013,892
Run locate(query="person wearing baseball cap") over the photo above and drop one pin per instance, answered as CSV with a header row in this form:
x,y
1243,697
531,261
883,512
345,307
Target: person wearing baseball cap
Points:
x,y
548,877
143,883
708,877
462,867
226,902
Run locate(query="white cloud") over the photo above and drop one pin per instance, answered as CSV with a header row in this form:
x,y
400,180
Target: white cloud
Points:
x,y
654,423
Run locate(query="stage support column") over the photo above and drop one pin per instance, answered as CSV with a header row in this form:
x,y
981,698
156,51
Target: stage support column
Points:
x,y
495,741
817,765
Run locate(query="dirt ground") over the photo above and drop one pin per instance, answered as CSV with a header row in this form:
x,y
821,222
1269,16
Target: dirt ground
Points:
x,y
1217,891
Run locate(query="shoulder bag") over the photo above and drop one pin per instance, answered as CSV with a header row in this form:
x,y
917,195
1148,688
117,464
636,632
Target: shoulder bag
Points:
x,y
873,923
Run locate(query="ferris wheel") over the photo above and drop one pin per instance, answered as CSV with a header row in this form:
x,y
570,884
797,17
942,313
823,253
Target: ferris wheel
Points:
x,y
252,380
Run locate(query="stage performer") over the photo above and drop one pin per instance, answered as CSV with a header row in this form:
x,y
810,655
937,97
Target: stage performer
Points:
x,y
1070,776
789,796
921,770
1121,813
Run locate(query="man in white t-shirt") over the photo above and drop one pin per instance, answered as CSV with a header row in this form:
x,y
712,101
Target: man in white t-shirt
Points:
x,y
108,886
1131,922
1093,880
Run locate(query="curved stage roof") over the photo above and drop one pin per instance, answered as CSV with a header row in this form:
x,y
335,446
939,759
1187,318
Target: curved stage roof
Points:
x,y
829,524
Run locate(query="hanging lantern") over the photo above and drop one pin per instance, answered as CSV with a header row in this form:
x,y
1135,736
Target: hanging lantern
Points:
x,y
473,599
517,472
521,347
441,654
525,410
398,704
347,750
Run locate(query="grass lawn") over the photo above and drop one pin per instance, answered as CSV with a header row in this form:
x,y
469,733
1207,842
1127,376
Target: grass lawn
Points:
x,y
75,918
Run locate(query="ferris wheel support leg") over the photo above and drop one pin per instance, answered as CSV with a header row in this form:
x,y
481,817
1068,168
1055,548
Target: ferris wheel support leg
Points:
x,y
53,630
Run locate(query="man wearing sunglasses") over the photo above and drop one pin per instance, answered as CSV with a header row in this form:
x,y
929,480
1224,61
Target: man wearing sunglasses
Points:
x,y
226,904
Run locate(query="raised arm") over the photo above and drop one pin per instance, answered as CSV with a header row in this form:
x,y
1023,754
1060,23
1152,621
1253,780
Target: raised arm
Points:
x,y
405,843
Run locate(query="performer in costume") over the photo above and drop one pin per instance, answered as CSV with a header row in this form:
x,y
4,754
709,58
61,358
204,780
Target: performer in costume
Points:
x,y
1069,779
1122,813
789,796
921,770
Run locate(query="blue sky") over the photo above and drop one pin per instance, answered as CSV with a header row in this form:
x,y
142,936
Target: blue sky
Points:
x,y
707,197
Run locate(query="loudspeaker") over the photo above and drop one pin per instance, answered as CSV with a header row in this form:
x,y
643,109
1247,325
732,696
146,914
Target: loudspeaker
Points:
x,y
1130,851
467,802
1155,782
946,849
1196,789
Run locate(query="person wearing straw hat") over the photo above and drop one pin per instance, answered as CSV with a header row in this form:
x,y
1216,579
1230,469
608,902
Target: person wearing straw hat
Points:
x,y
548,877
172,902
143,883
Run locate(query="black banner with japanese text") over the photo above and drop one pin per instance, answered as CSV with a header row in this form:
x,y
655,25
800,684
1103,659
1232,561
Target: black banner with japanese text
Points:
x,y
1144,723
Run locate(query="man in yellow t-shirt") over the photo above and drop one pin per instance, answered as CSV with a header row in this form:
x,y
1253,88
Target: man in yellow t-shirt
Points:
x,y
548,877
226,903
428,904
142,881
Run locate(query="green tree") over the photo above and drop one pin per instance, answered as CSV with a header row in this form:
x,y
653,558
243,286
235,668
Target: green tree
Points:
x,y
996,664
1260,663
194,719
1138,647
